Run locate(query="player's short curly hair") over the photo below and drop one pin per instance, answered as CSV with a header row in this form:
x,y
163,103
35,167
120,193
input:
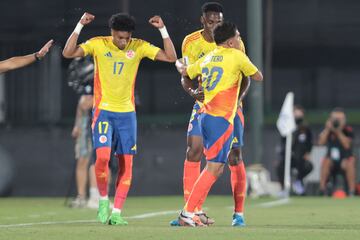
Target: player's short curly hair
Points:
x,y
122,22
224,31
212,7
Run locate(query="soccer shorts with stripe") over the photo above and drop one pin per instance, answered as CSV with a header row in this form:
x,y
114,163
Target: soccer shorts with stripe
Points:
x,y
193,127
217,135
238,140
115,129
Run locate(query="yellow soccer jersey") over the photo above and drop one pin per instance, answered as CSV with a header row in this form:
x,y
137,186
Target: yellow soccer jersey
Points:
x,y
195,47
221,72
115,71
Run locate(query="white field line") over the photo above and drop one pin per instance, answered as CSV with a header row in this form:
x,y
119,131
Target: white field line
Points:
x,y
141,216
276,203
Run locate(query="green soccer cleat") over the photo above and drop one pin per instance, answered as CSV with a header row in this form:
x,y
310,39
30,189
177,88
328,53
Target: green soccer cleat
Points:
x,y
117,219
103,211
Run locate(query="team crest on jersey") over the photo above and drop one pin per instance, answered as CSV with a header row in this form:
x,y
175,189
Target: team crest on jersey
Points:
x,y
102,139
130,54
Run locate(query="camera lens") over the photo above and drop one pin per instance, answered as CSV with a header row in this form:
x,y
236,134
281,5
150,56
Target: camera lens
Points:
x,y
336,123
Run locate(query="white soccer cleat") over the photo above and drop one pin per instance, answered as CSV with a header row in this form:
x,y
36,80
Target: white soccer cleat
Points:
x,y
190,220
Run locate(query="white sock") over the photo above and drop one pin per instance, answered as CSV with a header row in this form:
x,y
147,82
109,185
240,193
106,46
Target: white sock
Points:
x,y
188,214
116,210
106,197
199,212
240,214
94,193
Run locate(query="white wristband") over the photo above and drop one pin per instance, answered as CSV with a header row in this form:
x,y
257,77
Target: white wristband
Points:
x,y
78,28
164,32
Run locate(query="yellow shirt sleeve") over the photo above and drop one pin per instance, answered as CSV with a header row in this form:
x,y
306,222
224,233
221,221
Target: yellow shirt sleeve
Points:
x,y
88,47
246,66
148,50
194,70
186,51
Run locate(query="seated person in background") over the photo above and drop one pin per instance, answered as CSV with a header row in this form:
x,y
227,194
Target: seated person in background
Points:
x,y
338,137
300,156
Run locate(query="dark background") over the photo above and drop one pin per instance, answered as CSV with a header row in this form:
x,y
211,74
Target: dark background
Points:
x,y
315,49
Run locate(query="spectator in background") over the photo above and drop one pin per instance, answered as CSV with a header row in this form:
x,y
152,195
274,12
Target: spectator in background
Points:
x,y
300,155
338,137
83,152
81,72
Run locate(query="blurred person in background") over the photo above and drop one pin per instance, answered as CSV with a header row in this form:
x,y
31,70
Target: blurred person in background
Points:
x,y
338,136
83,151
300,152
81,73
22,61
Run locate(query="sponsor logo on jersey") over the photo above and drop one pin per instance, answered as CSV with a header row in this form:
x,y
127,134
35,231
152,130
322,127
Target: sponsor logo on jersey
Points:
x,y
103,139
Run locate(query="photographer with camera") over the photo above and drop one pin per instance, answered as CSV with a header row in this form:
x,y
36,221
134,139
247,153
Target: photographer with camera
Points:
x,y
338,137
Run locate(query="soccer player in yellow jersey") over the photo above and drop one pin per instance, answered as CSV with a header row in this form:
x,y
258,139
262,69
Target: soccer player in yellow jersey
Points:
x,y
22,61
221,72
116,58
194,47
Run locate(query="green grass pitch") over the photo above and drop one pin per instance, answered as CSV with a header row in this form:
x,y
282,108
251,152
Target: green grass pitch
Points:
x,y
148,217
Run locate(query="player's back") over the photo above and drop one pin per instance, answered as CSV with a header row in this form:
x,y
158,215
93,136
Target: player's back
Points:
x,y
221,71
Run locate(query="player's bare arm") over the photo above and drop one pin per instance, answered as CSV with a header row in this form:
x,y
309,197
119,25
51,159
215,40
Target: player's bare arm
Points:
x,y
244,88
72,49
344,140
257,76
169,53
21,61
189,87
325,133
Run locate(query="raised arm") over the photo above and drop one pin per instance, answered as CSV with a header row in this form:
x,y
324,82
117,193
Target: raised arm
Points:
x,y
324,135
21,61
169,53
72,49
